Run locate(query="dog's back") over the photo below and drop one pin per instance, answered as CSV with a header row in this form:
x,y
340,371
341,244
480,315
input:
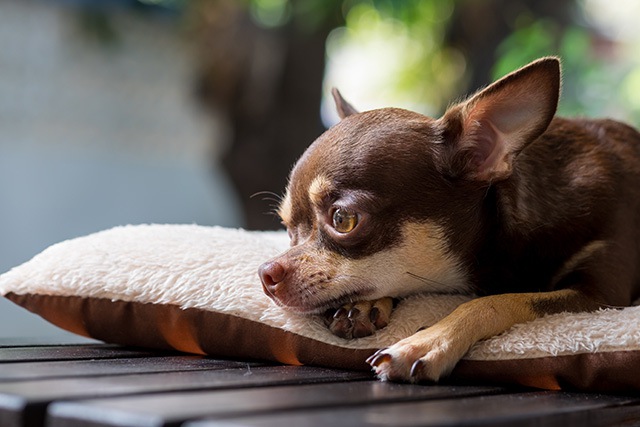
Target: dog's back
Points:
x,y
574,198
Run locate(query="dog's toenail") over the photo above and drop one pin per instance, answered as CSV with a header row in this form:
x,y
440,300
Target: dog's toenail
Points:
x,y
416,368
380,359
328,317
353,313
341,312
374,314
421,329
373,356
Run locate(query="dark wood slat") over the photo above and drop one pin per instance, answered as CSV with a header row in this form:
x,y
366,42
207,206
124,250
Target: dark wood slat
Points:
x,y
173,409
69,352
45,391
524,409
30,398
67,339
15,415
616,416
106,385
100,367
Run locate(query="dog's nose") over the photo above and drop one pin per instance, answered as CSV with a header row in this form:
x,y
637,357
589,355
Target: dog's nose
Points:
x,y
271,273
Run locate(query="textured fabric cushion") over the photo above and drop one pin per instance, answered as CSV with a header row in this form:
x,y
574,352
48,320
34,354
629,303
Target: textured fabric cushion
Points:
x,y
195,289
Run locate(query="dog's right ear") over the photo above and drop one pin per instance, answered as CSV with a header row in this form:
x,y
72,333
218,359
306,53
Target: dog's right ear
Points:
x,y
484,134
344,108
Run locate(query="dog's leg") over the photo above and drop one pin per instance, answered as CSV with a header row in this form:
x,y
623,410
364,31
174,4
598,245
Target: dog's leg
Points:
x,y
359,319
432,353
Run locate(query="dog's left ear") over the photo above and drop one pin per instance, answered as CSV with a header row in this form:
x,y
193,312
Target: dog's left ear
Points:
x,y
485,133
344,108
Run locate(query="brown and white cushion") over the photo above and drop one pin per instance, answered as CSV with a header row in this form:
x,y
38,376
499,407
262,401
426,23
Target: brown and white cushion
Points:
x,y
195,289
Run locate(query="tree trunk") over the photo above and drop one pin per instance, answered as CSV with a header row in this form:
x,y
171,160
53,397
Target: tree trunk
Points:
x,y
269,84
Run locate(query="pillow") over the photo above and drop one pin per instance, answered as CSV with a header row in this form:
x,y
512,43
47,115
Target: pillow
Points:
x,y
195,289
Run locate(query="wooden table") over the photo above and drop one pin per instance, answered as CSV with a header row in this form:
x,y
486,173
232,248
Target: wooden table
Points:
x,y
106,385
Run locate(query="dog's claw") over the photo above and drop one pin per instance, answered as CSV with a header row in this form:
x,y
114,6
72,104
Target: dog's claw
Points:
x,y
370,358
379,359
341,312
416,368
353,313
374,314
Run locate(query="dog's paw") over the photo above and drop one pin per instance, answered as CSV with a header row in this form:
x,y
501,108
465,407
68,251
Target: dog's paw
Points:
x,y
428,355
360,319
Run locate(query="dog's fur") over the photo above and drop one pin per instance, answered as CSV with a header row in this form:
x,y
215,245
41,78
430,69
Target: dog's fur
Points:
x,y
533,213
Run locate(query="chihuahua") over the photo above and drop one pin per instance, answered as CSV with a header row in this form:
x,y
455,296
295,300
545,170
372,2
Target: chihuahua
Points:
x,y
532,213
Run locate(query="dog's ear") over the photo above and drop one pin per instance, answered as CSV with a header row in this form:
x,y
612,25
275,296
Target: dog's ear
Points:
x,y
344,108
485,133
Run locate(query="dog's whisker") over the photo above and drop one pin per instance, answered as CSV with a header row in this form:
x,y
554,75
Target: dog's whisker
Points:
x,y
271,213
276,197
433,282
270,196
271,199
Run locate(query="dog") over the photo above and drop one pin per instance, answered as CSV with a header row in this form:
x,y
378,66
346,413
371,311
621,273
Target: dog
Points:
x,y
532,213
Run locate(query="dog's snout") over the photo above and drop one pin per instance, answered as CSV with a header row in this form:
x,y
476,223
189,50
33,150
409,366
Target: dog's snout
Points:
x,y
271,273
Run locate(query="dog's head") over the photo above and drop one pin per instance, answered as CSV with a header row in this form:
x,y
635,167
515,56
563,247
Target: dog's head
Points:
x,y
387,202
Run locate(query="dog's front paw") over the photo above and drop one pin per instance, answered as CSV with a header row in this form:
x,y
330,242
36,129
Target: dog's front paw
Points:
x,y
428,355
360,319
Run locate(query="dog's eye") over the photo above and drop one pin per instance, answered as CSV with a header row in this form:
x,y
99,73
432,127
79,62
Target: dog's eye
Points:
x,y
344,220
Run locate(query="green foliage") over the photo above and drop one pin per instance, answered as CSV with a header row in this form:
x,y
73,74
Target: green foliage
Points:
x,y
305,16
591,85
415,68
166,4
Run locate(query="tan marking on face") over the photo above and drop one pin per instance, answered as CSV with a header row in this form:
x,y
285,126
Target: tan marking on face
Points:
x,y
284,210
318,189
421,263
586,252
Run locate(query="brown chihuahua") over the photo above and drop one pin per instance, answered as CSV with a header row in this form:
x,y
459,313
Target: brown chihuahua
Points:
x,y
534,214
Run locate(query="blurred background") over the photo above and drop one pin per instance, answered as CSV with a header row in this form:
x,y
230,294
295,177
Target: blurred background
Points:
x,y
185,111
